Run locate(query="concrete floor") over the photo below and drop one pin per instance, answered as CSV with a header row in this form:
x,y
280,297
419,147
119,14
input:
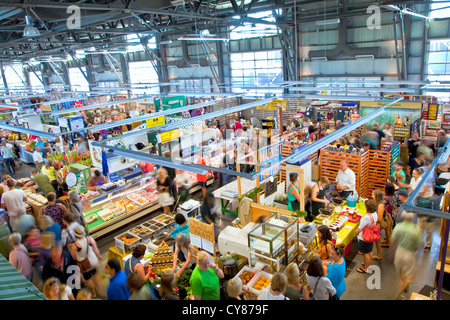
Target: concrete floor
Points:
x,y
357,283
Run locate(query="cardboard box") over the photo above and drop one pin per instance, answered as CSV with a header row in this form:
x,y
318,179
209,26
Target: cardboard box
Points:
x,y
315,171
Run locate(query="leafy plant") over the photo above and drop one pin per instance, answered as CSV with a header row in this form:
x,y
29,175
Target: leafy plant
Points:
x,y
300,213
252,193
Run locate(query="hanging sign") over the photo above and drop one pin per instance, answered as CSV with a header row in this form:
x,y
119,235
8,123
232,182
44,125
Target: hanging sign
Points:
x,y
78,104
45,107
273,105
270,155
170,135
202,235
154,122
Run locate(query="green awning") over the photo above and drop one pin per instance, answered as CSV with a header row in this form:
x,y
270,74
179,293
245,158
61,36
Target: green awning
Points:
x,y
14,286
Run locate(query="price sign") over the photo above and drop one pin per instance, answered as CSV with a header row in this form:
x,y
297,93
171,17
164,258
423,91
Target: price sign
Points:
x,y
120,246
155,122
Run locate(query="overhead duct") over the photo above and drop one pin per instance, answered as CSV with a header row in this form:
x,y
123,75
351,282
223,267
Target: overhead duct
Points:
x,y
343,48
186,60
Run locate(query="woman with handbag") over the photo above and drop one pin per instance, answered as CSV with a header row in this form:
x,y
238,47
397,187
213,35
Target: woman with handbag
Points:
x,y
164,185
335,269
378,197
318,199
85,252
367,234
293,194
294,288
76,208
322,289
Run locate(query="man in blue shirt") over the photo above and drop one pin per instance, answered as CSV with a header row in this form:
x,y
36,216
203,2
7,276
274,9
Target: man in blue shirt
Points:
x,y
117,289
40,144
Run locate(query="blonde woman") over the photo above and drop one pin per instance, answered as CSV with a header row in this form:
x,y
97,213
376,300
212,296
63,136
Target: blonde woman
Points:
x,y
234,289
84,294
164,185
378,197
166,290
294,289
276,289
49,170
55,290
205,278
318,199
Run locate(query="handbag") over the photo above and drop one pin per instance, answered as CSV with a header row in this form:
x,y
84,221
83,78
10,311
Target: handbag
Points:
x,y
387,222
312,294
91,260
372,233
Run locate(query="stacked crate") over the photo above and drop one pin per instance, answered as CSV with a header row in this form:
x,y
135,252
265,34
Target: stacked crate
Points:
x,y
358,163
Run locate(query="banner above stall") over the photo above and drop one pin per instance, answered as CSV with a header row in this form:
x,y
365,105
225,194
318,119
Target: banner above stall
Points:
x,y
170,103
273,105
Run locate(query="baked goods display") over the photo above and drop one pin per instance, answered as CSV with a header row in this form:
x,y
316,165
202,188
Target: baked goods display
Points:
x,y
91,218
246,275
36,199
89,195
163,257
260,281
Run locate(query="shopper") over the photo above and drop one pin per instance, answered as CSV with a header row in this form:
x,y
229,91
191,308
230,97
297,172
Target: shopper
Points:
x,y
390,200
37,157
413,144
165,187
45,152
55,290
47,224
82,145
54,210
318,199
96,181
184,185
41,180
407,240
49,170
183,253
67,234
13,202
117,288
208,211
8,156
428,224
85,248
335,269
345,180
381,134
320,286
84,294
76,209
416,162
205,278
234,289
388,131
24,223
325,242
294,288
202,178
168,282
276,288
398,169
49,257
293,194
378,197
134,265
18,257
138,288
369,219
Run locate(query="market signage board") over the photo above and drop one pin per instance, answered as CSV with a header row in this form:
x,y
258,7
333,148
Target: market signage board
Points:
x,y
202,236
270,155
432,111
154,122
273,105
45,107
170,135
170,102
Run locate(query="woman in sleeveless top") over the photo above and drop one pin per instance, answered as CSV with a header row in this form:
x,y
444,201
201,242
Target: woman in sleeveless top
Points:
x,y
293,194
318,199
54,210
378,196
325,242
134,265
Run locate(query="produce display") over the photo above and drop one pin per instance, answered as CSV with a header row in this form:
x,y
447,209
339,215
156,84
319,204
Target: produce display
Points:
x,y
261,283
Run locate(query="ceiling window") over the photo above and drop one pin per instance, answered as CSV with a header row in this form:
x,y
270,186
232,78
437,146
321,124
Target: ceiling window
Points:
x,y
252,69
134,43
254,30
15,77
440,9
439,69
36,84
77,80
143,77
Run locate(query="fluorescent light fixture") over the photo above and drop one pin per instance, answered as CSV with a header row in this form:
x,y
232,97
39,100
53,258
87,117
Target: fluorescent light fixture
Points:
x,y
29,30
201,39
327,22
408,12
319,59
365,56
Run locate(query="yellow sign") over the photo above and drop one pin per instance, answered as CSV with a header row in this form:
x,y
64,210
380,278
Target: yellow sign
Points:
x,y
273,105
397,105
46,107
154,122
170,135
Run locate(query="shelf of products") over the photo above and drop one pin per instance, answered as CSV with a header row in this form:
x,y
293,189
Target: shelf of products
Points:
x,y
275,241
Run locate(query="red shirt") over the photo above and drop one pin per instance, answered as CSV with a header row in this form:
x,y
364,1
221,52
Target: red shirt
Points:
x,y
201,177
146,166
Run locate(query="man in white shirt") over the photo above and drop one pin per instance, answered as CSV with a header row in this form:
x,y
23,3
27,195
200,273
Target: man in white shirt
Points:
x,y
13,202
37,156
345,180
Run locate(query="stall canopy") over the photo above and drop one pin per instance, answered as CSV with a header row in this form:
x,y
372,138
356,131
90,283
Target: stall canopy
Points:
x,y
14,286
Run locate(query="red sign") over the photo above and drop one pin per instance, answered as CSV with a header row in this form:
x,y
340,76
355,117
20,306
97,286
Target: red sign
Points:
x,y
78,104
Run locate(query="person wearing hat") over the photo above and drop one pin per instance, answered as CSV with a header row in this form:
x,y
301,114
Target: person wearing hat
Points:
x,y
80,250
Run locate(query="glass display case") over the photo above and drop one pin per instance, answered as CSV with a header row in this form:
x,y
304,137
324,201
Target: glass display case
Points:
x,y
275,241
102,208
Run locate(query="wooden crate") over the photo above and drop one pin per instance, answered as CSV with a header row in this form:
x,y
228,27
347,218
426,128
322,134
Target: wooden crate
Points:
x,y
358,163
378,171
